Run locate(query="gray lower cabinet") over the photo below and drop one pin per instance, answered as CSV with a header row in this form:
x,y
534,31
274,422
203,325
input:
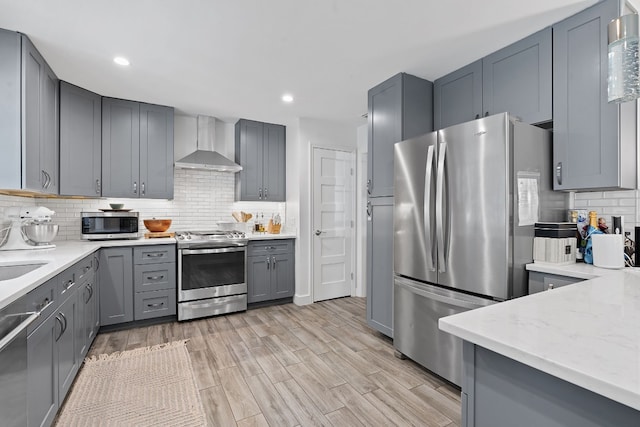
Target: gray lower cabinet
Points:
x,y
116,285
137,150
539,282
457,97
270,270
58,341
516,79
154,281
380,264
401,107
42,374
594,142
80,141
499,391
29,122
261,151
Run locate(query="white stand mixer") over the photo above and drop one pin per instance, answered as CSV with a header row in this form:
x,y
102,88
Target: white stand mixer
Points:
x,y
19,216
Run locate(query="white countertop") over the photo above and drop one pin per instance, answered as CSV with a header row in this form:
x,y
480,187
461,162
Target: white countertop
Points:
x,y
587,333
64,255
579,270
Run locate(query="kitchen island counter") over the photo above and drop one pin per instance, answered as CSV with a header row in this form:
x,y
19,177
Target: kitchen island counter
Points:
x,y
586,334
64,255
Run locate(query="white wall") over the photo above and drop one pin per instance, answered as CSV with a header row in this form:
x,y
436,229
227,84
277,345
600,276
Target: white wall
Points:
x,y
361,212
311,133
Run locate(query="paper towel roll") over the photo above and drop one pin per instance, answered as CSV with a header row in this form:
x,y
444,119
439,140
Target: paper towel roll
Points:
x,y
608,250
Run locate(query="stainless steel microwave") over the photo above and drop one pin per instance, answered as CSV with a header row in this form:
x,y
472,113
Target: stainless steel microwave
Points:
x,y
109,225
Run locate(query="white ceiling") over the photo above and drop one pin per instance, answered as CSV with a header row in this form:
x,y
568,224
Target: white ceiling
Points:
x,y
235,58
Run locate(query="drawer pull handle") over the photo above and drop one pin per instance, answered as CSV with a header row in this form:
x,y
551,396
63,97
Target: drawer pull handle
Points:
x,y
156,255
69,284
44,305
155,277
158,304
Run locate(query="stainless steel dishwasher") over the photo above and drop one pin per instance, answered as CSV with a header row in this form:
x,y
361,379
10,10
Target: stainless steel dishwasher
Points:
x,y
14,321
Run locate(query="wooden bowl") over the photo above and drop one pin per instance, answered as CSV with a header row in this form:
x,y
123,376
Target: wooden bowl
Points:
x,y
157,225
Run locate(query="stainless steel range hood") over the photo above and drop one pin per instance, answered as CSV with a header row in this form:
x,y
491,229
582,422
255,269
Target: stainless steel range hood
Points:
x,y
205,157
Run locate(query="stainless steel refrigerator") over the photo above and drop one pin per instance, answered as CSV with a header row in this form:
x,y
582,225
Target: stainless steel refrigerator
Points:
x,y
466,198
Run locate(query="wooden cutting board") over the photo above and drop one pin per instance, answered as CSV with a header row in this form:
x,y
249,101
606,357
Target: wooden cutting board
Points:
x,y
157,235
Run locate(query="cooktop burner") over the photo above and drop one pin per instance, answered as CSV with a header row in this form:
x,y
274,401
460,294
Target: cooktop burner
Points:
x,y
210,238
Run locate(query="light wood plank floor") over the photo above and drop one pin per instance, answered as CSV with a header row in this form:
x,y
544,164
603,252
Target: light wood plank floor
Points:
x,y
287,365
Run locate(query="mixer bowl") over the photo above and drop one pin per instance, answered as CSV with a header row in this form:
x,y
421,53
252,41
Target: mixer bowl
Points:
x,y
40,234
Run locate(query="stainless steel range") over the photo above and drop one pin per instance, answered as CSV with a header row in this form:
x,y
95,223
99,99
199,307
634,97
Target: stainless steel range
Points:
x,y
212,271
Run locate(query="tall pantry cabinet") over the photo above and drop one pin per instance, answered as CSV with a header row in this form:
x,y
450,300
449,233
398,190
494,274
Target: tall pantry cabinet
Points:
x,y
398,108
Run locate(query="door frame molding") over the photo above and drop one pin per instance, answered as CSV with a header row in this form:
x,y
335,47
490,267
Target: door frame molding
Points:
x,y
353,162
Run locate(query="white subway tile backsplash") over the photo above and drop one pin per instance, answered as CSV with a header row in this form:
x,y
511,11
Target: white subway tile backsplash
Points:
x,y
201,198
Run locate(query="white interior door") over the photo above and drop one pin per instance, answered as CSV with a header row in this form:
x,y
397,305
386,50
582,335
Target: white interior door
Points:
x,y
333,199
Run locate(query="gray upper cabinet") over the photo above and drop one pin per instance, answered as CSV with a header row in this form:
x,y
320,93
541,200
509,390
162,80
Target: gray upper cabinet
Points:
x,y
398,108
29,123
137,150
120,148
594,142
457,97
518,79
156,152
80,141
261,151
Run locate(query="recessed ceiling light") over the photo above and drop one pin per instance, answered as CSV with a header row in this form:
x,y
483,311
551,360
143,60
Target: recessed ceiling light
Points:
x,y
121,60
287,98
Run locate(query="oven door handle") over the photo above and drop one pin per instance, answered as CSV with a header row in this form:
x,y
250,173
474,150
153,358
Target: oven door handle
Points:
x,y
212,251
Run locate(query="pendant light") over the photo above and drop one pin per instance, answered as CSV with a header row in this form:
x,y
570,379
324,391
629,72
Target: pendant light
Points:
x,y
623,82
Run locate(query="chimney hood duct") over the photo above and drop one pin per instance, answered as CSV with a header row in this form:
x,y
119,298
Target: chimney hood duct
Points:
x,y
205,158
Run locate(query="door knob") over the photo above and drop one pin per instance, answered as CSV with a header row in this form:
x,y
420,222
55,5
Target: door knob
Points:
x,y
318,232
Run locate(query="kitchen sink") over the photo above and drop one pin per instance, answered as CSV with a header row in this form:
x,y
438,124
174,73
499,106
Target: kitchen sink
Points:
x,y
10,271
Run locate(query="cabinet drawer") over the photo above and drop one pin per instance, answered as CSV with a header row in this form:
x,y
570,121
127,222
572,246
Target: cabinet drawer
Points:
x,y
39,298
84,269
270,247
67,283
154,254
154,277
155,304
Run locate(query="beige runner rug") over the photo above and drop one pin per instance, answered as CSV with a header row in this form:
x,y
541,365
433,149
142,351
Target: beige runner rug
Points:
x,y
151,386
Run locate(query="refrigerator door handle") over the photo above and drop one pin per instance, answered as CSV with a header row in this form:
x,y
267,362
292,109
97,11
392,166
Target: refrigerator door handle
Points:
x,y
441,298
426,218
442,152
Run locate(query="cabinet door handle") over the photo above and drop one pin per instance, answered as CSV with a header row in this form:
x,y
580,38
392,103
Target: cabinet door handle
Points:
x,y
158,304
369,210
65,322
155,277
369,187
266,194
135,187
273,261
69,284
486,114
260,193
477,116
86,301
97,186
559,173
268,263
61,327
155,255
142,189
97,262
44,178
